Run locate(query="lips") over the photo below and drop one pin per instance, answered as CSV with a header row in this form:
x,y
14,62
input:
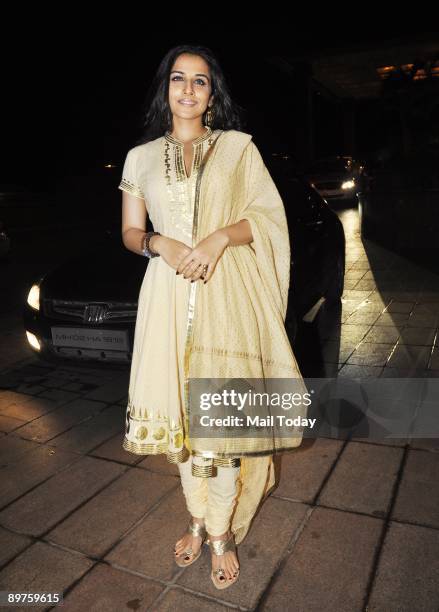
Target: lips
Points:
x,y
187,102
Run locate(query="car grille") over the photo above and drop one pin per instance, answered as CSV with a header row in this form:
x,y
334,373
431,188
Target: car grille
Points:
x,y
90,312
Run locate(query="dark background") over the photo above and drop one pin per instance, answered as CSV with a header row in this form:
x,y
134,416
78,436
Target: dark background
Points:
x,y
71,107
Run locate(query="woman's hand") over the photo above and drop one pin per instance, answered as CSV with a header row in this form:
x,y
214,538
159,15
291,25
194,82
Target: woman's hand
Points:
x,y
207,252
172,251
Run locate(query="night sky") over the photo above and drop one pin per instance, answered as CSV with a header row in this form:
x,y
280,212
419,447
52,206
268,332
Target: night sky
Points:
x,y
74,107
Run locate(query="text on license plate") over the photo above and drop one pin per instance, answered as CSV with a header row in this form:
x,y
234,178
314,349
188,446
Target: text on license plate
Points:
x,y
113,340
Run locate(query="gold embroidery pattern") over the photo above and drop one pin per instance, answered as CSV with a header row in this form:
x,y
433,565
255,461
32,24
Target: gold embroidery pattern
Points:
x,y
150,433
192,294
126,185
180,187
244,354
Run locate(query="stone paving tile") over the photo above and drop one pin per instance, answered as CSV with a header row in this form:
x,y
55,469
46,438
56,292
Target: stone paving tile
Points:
x,y
112,449
30,408
107,589
9,424
12,447
59,395
418,494
387,334
85,436
99,523
43,507
32,468
355,333
11,544
148,548
329,566
259,554
434,359
110,392
410,357
430,444
51,425
408,572
43,568
363,479
363,318
159,464
8,398
389,372
177,598
418,336
359,371
422,320
337,352
300,474
396,306
371,354
392,318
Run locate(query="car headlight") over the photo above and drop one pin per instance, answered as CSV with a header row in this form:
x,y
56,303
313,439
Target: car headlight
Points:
x,y
33,298
348,184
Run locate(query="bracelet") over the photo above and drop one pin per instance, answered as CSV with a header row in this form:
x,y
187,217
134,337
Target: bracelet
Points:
x,y
146,250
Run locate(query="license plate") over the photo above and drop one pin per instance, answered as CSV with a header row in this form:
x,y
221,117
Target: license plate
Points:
x,y
110,340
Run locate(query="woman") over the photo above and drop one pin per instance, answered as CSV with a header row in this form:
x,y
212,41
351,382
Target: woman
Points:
x,y
213,300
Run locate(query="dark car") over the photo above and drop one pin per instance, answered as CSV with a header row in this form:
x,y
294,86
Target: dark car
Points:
x,y
336,178
84,311
86,308
317,242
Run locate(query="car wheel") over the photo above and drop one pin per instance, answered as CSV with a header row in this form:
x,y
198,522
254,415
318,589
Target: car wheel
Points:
x,y
335,289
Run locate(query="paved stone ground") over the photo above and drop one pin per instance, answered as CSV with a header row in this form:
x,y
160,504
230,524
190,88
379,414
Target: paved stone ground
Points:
x,y
352,525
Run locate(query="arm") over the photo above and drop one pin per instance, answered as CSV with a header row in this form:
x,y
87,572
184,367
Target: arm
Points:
x,y
134,217
237,234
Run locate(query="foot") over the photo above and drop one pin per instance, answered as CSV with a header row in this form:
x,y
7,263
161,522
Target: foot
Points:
x,y
189,542
228,561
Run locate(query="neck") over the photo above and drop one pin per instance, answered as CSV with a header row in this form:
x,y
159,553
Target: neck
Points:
x,y
185,132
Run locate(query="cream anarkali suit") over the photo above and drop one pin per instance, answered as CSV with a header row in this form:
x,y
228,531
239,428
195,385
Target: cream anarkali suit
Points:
x,y
155,171
237,182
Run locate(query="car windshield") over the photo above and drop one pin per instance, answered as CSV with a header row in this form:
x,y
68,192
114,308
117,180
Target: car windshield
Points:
x,y
329,165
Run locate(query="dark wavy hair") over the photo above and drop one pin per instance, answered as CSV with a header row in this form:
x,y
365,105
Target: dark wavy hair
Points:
x,y
157,115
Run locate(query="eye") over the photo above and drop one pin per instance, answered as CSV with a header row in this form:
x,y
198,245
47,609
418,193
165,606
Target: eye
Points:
x,y
179,77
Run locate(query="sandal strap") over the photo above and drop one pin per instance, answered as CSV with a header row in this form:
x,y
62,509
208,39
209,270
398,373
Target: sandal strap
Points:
x,y
219,547
197,529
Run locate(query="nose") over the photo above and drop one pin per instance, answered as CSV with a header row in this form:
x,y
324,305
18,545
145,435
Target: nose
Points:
x,y
188,88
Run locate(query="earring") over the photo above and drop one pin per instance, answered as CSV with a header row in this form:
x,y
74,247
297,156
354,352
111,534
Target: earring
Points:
x,y
208,117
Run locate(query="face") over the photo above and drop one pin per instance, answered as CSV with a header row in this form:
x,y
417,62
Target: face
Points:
x,y
190,82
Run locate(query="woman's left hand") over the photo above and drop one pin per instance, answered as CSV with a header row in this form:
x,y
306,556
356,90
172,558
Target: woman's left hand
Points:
x,y
207,252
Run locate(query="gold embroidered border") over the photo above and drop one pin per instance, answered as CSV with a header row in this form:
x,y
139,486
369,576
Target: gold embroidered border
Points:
x,y
203,471
271,451
245,354
192,289
126,185
137,448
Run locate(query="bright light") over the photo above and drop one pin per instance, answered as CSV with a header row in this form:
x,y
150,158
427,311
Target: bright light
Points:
x,y
33,298
348,184
33,341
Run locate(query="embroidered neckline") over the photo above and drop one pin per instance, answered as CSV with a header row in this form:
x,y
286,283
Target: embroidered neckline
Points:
x,y
198,140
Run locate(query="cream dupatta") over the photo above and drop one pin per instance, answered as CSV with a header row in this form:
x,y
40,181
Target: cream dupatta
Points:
x,y
235,322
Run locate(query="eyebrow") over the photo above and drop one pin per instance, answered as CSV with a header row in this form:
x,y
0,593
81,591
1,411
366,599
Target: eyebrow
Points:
x,y
199,74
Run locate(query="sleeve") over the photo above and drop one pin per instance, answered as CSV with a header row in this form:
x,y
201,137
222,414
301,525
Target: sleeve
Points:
x,y
130,181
